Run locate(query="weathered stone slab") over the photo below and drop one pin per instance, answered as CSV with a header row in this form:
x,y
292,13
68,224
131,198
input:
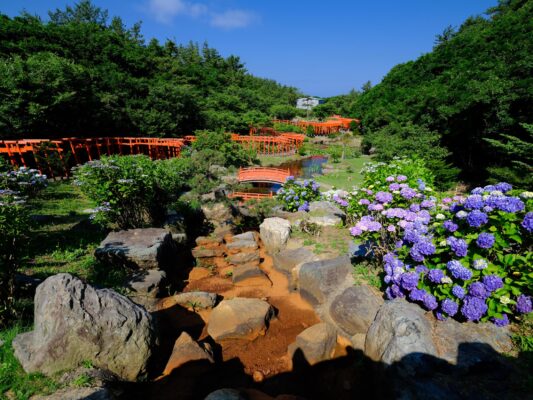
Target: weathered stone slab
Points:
x,y
150,248
317,343
239,318
196,299
203,252
147,283
249,275
186,350
244,257
355,309
274,233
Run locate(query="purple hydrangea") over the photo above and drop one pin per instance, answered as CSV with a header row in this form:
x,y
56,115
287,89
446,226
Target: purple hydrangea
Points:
x,y
523,304
449,306
473,308
364,202
501,322
477,289
474,202
417,294
421,269
401,178
435,275
492,282
409,280
430,302
304,207
459,246
450,226
427,204
389,178
391,228
394,186
527,223
384,197
458,271
458,292
408,193
505,203
503,187
485,240
477,218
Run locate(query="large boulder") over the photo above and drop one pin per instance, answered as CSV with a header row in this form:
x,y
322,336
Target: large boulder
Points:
x,y
244,241
290,260
220,215
146,283
150,248
249,275
401,334
196,299
317,343
317,280
324,213
274,233
187,350
354,309
74,322
239,318
244,258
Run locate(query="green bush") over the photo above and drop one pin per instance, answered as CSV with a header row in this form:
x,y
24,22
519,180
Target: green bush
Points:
x,y
225,152
281,127
23,181
310,131
335,153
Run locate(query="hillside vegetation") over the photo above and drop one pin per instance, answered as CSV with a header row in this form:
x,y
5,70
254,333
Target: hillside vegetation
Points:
x,y
80,73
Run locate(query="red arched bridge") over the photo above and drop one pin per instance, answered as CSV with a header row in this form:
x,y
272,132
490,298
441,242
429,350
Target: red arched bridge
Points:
x,y
263,174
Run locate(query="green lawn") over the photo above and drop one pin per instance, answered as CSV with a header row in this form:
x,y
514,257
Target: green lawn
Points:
x,y
346,174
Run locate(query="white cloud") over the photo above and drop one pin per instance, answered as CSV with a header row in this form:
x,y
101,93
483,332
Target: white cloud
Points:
x,y
232,19
166,10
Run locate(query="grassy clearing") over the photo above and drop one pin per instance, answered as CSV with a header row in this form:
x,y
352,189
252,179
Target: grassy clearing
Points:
x,y
344,175
267,161
15,384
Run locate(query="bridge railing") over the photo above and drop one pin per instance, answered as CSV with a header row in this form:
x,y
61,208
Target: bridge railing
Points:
x,y
262,174
250,196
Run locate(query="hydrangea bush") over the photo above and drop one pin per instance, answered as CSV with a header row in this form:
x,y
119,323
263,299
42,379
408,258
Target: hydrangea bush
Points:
x,y
466,257
296,196
24,181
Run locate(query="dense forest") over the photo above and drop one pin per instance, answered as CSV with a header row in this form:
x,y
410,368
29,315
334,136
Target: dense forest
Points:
x,y
81,73
464,105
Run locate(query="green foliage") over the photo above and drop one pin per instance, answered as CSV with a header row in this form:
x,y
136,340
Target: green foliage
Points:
x,y
335,153
296,196
375,174
516,158
475,85
216,147
310,131
283,111
281,127
23,181
82,74
131,191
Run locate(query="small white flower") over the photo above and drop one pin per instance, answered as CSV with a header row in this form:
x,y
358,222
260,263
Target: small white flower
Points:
x,y
526,195
462,214
428,189
505,300
446,279
496,193
485,196
443,243
440,216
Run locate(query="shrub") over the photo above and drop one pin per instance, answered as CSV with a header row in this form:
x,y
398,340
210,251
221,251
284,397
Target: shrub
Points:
x,y
24,181
14,225
376,175
131,191
310,131
335,152
228,153
282,127
295,196
463,257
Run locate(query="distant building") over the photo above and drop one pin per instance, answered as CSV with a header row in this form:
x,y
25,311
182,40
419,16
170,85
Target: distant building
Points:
x,y
307,103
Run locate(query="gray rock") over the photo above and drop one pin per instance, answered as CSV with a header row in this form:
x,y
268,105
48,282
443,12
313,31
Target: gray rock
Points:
x,y
274,233
317,280
196,299
211,196
246,236
147,283
317,343
317,208
75,393
289,261
219,215
400,330
202,252
355,309
74,322
249,275
226,394
325,220
239,318
175,224
186,350
150,248
207,240
218,169
485,341
243,241
244,257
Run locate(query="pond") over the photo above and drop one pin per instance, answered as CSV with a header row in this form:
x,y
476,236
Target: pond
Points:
x,y
303,168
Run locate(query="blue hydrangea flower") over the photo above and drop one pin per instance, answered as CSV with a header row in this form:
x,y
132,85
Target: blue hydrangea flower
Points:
x,y
430,302
435,275
408,193
501,322
458,271
477,218
449,306
527,223
480,264
459,246
477,289
417,294
384,197
458,292
409,280
474,202
492,282
523,304
485,240
503,187
473,308
450,226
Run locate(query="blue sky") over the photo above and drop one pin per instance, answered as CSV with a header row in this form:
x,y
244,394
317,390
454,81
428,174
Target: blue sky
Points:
x,y
324,48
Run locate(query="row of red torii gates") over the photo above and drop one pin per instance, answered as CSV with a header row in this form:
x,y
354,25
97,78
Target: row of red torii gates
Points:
x,y
55,156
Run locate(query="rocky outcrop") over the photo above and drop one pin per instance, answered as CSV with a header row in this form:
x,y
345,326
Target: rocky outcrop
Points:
x,y
150,248
239,318
74,322
196,300
187,350
220,216
317,343
317,280
324,213
146,283
354,309
274,233
400,333
289,261
244,258
249,275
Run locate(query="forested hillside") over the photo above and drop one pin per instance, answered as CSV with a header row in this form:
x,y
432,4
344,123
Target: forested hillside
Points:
x,y
81,73
464,103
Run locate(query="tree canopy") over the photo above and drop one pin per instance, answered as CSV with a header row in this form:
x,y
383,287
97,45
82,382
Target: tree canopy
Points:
x,y
80,73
